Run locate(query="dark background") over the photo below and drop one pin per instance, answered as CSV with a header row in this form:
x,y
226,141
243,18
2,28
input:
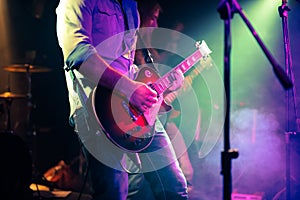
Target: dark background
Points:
x,y
254,90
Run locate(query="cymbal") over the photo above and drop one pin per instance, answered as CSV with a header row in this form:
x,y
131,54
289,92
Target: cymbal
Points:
x,y
26,68
10,95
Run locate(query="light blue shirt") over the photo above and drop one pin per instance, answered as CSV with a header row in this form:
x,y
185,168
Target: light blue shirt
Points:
x,y
86,27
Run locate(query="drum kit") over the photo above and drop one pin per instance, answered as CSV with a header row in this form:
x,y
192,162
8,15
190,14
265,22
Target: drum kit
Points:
x,y
53,176
8,96
8,134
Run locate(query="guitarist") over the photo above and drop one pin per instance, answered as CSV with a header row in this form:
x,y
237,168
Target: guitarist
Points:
x,y
98,39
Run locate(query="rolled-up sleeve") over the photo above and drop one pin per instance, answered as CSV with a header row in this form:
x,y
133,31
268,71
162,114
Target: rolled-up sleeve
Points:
x,y
81,52
74,29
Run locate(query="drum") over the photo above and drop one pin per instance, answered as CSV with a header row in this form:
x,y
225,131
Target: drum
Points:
x,y
16,167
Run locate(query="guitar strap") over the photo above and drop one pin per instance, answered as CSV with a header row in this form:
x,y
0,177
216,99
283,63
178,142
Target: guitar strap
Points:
x,y
146,53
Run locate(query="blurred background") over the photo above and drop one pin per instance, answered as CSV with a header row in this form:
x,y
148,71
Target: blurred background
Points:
x,y
259,103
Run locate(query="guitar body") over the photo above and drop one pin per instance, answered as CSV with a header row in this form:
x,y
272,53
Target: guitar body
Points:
x,y
121,122
123,125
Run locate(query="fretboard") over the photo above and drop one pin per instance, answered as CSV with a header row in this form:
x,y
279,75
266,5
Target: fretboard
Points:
x,y
162,84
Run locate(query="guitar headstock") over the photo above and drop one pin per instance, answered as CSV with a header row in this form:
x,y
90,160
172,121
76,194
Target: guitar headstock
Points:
x,y
206,61
203,48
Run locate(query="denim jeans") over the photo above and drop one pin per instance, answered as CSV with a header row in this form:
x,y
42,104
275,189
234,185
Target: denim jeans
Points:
x,y
109,167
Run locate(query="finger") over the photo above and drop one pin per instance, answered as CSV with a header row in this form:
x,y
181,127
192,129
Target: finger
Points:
x,y
172,77
143,108
179,76
152,96
175,76
148,104
152,92
152,100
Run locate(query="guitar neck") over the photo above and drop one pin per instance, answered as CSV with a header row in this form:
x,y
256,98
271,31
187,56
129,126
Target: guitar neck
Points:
x,y
162,84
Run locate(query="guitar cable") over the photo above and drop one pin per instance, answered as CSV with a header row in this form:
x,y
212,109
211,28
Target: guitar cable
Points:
x,y
158,177
135,167
86,170
139,172
146,53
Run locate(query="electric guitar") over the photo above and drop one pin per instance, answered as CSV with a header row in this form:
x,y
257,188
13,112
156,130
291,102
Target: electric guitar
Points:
x,y
121,122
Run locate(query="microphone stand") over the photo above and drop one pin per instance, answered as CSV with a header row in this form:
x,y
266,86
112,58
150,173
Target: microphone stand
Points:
x,y
226,9
283,13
